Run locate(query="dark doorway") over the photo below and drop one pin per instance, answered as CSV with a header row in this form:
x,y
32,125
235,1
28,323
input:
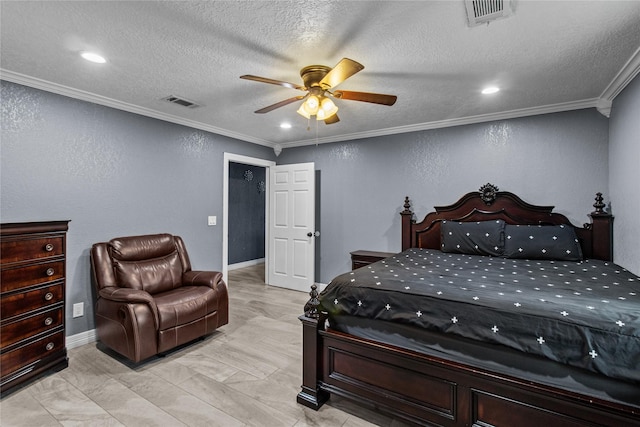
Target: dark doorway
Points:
x,y
247,198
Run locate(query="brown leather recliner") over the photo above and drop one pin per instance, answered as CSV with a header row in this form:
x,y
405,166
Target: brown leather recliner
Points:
x,y
149,299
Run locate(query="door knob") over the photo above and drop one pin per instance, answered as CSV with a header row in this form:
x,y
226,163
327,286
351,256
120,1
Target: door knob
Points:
x,y
309,234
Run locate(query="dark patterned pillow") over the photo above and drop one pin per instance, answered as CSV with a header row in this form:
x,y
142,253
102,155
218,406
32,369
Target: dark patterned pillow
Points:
x,y
473,238
557,242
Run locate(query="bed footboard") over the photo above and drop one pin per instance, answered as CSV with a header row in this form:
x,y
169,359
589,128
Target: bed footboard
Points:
x,y
425,390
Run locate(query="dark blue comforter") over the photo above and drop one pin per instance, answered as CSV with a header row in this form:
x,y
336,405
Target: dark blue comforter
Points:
x,y
585,314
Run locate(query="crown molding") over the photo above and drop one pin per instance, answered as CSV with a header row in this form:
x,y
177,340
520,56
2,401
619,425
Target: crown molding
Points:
x,y
503,115
124,106
603,104
628,72
604,107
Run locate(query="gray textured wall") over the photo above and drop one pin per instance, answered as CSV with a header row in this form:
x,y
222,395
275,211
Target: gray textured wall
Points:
x,y
624,176
555,159
112,174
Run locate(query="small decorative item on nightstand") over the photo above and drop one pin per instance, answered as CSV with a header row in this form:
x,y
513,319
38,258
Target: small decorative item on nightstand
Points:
x,y
361,258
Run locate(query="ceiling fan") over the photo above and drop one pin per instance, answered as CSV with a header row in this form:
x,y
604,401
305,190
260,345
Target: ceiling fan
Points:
x,y
319,81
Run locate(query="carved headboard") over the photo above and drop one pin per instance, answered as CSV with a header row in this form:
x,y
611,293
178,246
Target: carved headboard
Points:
x,y
596,238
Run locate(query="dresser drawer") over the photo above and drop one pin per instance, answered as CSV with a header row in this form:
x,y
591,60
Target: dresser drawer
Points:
x,y
24,302
30,249
26,327
12,361
22,277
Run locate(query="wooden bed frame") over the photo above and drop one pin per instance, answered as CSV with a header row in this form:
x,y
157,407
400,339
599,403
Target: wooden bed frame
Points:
x,y
429,390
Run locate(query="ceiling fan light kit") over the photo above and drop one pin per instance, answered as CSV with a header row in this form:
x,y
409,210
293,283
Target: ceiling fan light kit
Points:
x,y
327,109
318,82
319,106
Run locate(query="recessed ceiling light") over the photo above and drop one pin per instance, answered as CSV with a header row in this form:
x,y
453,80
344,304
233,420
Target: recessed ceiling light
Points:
x,y
489,90
93,57
285,125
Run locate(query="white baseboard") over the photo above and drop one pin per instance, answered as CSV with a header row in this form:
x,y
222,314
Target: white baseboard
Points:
x,y
244,264
80,339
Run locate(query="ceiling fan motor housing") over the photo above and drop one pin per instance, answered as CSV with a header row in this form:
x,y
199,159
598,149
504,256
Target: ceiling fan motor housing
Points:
x,y
313,74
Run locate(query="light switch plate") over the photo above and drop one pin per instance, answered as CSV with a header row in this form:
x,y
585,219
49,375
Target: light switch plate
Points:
x,y
211,220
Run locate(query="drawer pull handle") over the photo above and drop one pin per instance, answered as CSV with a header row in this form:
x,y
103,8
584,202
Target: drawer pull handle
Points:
x,y
48,296
48,321
50,271
48,247
50,346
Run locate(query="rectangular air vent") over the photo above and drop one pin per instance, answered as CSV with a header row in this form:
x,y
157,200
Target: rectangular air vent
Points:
x,y
484,11
180,101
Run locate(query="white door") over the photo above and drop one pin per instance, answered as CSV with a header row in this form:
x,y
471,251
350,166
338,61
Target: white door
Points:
x,y
292,226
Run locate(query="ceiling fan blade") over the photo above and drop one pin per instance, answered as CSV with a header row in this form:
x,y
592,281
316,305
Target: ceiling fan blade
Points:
x,y
331,120
272,81
280,104
341,72
374,98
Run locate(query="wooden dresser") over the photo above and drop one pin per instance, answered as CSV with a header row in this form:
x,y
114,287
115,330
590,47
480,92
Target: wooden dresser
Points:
x,y
32,292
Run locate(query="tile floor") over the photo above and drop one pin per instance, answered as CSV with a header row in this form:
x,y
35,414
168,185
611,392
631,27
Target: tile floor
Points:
x,y
246,374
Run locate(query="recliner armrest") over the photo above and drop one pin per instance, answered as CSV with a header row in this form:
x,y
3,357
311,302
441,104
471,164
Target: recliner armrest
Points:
x,y
131,296
202,278
126,295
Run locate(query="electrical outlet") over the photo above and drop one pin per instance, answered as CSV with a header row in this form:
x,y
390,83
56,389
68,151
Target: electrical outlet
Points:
x,y
211,220
78,309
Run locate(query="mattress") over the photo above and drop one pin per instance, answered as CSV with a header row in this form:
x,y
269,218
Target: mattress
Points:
x,y
585,314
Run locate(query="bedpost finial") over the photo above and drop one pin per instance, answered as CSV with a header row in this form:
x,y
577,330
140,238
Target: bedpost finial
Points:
x,y
311,307
599,204
407,206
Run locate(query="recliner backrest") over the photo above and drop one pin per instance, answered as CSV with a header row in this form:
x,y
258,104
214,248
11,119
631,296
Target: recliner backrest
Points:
x,y
151,263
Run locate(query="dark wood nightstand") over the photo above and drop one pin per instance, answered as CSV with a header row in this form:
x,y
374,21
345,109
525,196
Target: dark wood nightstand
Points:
x,y
361,258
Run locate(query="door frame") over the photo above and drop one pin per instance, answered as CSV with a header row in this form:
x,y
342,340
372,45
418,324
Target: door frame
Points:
x,y
238,158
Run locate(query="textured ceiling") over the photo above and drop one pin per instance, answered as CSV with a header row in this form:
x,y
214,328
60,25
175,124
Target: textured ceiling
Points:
x,y
548,56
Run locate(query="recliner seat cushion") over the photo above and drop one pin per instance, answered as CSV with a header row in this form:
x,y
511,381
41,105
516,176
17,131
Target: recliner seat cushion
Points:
x,y
185,304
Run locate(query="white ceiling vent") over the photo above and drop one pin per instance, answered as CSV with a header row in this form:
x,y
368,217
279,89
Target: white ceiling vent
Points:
x,y
484,11
180,101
